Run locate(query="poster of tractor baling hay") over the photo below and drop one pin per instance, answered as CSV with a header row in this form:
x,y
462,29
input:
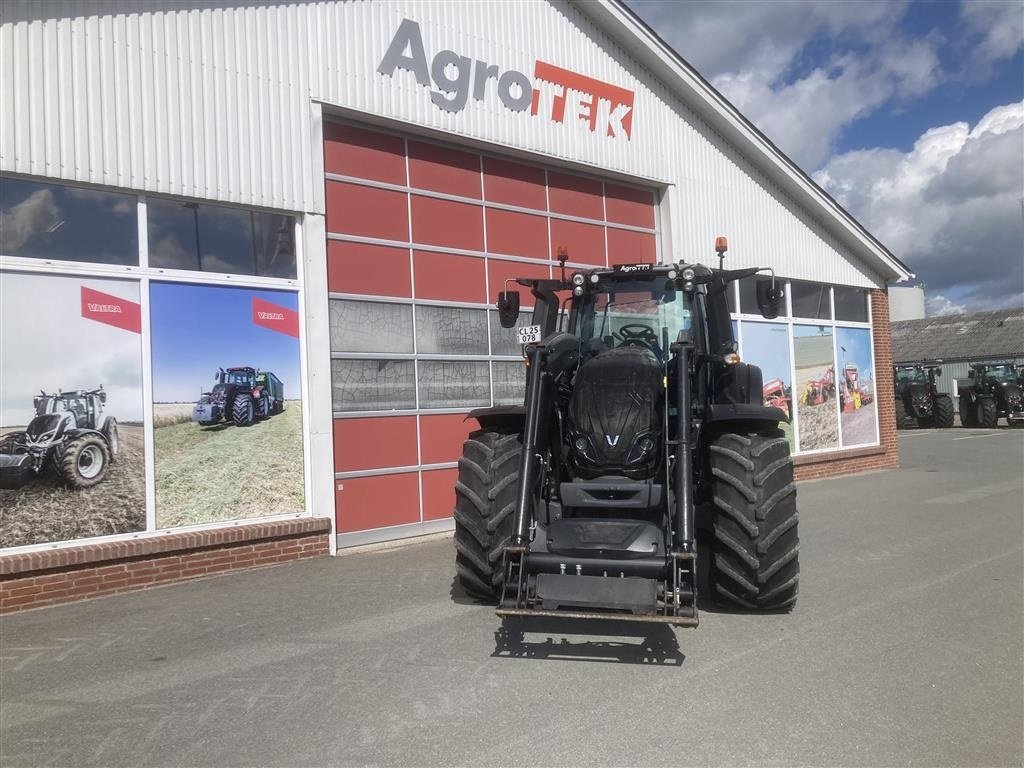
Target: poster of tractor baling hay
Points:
x,y
815,389
766,345
72,447
227,410
858,414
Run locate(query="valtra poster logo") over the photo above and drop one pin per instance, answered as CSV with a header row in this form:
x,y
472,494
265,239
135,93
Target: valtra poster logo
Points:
x,y
111,310
557,94
274,317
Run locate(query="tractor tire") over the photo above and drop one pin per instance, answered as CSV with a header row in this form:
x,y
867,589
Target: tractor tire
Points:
x,y
263,409
968,414
113,438
243,413
485,502
754,555
85,461
988,414
943,411
901,413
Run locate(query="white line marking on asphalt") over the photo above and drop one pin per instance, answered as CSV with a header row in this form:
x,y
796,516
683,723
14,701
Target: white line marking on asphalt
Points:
x,y
981,492
990,434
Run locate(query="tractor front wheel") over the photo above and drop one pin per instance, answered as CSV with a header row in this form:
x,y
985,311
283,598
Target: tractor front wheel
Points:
x,y
754,556
988,415
901,413
943,411
967,412
243,413
485,502
85,461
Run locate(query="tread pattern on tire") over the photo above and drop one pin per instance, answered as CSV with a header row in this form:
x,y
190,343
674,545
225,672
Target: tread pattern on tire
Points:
x,y
754,560
485,500
243,410
69,461
943,411
901,413
967,412
988,413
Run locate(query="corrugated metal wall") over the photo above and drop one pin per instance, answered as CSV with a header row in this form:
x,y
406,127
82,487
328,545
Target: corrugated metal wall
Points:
x,y
213,102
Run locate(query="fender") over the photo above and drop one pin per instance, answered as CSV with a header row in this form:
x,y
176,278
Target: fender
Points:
x,y
511,417
756,414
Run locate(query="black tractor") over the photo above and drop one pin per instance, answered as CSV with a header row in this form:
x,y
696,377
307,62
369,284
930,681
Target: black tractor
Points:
x,y
643,442
918,399
992,391
69,433
240,395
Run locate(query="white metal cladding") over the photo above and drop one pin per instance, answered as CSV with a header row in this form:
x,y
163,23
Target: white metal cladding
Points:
x,y
212,102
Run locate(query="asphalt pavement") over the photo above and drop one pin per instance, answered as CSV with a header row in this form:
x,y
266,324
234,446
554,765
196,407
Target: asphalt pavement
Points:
x,y
905,649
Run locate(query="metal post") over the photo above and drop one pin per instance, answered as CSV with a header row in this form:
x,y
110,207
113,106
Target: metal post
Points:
x,y
684,467
528,459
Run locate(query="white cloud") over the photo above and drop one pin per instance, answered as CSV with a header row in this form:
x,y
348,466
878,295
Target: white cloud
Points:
x,y
995,32
940,305
33,216
952,207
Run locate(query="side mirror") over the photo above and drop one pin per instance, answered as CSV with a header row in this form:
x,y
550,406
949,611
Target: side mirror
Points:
x,y
508,308
938,371
769,298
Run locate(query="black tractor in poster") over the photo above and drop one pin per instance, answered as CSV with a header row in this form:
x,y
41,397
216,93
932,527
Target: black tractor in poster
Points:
x,y
240,395
992,391
918,398
643,443
69,433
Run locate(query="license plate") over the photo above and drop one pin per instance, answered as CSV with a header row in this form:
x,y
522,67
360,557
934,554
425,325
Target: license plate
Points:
x,y
528,334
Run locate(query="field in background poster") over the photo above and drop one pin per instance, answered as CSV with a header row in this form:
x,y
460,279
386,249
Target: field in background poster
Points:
x,y
227,406
858,414
766,345
815,387
72,451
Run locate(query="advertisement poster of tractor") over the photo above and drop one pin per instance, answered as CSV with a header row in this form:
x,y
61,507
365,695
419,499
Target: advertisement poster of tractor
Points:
x,y
227,409
766,345
857,407
815,387
72,450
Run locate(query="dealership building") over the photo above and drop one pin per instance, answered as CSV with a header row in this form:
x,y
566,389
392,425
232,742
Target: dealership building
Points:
x,y
335,192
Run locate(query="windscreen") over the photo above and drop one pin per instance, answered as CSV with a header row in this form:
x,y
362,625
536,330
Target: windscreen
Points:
x,y
911,375
1002,373
634,313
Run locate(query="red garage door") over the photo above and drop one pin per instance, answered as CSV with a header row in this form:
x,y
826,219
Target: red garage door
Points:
x,y
421,237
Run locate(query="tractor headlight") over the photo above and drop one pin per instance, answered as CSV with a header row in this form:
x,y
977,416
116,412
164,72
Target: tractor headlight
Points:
x,y
689,274
577,291
594,278
577,279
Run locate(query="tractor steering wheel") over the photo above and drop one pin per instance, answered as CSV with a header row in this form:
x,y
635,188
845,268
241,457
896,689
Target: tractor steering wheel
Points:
x,y
638,335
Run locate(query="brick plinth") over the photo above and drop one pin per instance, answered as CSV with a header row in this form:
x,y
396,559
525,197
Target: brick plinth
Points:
x,y
48,577
886,455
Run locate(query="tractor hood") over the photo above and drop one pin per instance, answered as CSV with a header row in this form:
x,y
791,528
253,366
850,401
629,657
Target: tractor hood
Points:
x,y
613,413
41,425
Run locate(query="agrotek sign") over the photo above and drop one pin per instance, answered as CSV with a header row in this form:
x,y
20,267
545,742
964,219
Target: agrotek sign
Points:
x,y
557,94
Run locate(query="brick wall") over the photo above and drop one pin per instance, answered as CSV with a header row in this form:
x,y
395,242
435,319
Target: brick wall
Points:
x,y
885,456
48,577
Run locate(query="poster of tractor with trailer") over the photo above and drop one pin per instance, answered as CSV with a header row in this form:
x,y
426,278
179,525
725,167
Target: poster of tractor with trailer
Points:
x,y
230,449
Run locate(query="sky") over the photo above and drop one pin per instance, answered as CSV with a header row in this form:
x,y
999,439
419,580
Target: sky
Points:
x,y
59,349
910,114
767,346
198,329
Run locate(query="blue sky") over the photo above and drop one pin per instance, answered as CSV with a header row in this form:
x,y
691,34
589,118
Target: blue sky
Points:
x,y
858,350
767,346
198,329
910,114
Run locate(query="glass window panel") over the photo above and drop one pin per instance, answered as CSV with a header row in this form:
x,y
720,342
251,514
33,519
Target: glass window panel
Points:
x,y
851,303
454,384
274,241
810,300
370,326
503,340
215,238
509,383
53,221
373,385
451,331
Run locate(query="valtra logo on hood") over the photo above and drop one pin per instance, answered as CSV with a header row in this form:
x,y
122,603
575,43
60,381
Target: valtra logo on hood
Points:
x,y
560,95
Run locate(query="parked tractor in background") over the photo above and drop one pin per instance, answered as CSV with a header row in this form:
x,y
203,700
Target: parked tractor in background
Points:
x,y
992,391
775,394
643,443
69,433
240,395
918,397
